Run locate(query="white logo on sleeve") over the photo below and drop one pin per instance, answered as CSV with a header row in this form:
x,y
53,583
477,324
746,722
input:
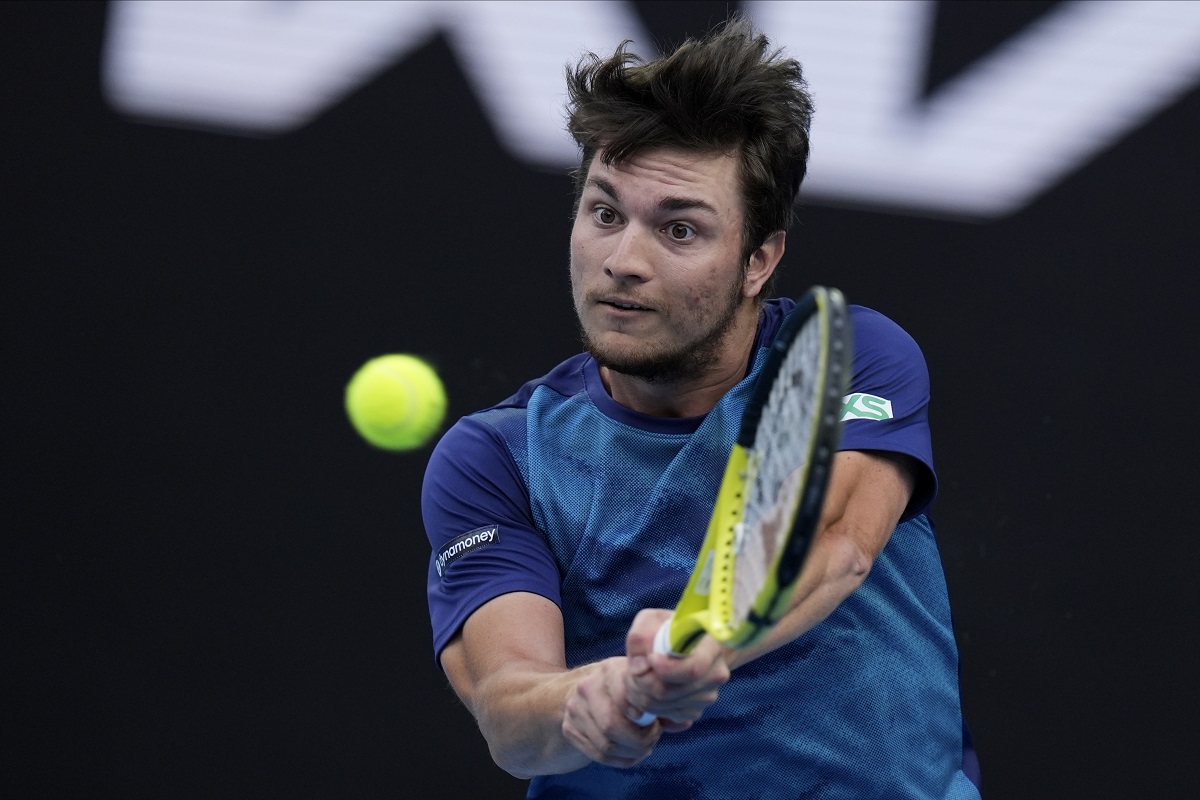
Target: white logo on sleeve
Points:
x,y
866,406
466,543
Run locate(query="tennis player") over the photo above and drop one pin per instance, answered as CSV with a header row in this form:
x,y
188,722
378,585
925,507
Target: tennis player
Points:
x,y
565,520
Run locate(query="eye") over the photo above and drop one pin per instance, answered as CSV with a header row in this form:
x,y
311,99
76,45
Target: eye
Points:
x,y
604,215
680,232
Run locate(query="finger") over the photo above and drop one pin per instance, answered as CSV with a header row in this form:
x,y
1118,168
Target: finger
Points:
x,y
620,745
639,641
706,669
675,703
674,726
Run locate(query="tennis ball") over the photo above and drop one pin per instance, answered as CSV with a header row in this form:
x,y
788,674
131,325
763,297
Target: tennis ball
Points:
x,y
396,401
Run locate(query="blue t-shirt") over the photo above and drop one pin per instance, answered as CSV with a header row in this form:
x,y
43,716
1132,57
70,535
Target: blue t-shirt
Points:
x,y
562,492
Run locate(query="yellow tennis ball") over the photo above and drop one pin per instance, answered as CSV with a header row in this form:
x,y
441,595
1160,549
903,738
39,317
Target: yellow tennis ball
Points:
x,y
396,402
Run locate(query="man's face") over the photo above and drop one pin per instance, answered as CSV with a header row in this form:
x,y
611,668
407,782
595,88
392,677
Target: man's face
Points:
x,y
656,262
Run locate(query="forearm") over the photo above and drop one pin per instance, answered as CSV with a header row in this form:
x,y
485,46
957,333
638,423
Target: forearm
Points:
x,y
520,711
540,718
867,495
836,567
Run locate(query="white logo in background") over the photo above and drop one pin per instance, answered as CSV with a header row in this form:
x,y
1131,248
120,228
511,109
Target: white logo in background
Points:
x,y
987,143
1004,130
268,67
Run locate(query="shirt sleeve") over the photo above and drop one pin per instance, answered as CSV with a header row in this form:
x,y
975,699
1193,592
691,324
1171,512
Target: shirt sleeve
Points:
x,y
475,508
888,405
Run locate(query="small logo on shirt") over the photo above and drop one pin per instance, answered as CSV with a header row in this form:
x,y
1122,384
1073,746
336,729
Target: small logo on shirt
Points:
x,y
866,406
461,545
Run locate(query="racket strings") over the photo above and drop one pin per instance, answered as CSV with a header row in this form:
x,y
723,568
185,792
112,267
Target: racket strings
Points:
x,y
778,465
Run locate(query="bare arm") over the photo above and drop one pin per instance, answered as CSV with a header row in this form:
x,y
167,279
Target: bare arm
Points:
x,y
508,664
538,717
868,491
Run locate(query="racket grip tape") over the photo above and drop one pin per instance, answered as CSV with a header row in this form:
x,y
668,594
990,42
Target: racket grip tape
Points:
x,y
662,644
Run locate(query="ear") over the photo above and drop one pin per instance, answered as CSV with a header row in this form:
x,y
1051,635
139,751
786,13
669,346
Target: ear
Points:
x,y
763,262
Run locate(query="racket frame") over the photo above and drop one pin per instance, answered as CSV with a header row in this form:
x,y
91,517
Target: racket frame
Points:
x,y
706,604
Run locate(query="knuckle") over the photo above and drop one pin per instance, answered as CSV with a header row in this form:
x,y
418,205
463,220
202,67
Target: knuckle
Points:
x,y
611,751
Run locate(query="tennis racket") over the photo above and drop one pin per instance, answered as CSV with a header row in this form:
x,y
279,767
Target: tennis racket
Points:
x,y
773,489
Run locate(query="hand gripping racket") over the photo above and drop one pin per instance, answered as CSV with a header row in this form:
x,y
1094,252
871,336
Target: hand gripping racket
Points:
x,y
771,496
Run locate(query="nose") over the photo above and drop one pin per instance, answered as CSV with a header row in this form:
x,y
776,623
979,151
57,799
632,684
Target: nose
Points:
x,y
631,258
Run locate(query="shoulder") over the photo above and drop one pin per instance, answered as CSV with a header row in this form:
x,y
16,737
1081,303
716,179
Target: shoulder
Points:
x,y
566,379
494,437
887,408
878,336
887,357
883,350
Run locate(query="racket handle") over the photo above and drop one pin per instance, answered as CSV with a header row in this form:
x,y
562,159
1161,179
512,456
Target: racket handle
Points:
x,y
662,639
662,644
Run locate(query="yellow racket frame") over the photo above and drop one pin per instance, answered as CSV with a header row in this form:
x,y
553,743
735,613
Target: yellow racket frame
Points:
x,y
706,604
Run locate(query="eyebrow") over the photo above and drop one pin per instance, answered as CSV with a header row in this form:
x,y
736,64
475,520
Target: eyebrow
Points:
x,y
672,203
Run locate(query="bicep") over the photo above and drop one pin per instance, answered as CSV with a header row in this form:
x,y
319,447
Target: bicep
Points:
x,y
515,630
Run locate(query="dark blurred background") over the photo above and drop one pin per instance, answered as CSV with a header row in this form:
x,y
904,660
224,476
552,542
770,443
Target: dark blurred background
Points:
x,y
214,588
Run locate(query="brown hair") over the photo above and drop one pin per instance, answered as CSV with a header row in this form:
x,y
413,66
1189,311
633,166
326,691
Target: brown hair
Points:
x,y
725,92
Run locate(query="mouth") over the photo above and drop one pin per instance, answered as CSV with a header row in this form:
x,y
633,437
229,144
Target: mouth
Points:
x,y
623,305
